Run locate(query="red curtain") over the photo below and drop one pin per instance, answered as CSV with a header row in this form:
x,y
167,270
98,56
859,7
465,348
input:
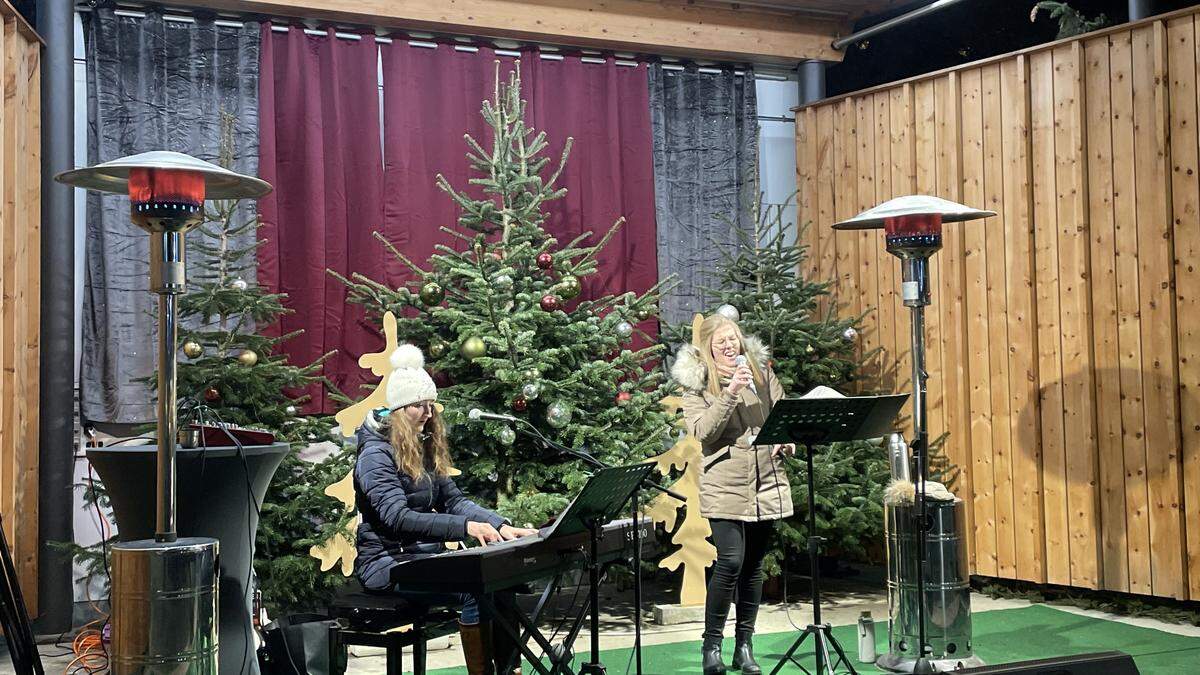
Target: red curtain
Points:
x,y
319,147
605,108
432,97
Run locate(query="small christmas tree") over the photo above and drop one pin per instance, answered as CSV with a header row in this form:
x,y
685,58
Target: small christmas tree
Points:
x,y
504,330
236,374
761,287
1071,22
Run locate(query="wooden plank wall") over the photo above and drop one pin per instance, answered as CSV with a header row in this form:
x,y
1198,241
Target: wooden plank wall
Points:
x,y
20,275
1064,336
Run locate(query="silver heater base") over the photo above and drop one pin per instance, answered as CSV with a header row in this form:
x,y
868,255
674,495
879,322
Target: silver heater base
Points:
x,y
164,607
897,663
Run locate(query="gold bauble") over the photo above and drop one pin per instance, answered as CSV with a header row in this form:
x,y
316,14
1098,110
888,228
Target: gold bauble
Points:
x,y
473,348
248,358
192,350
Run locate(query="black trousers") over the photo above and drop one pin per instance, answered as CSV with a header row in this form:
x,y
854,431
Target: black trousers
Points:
x,y
741,548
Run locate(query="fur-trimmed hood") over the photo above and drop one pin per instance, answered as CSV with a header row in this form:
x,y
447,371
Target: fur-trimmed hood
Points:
x,y
689,369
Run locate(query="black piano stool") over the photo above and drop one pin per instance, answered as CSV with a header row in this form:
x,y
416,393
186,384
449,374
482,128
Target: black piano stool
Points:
x,y
369,616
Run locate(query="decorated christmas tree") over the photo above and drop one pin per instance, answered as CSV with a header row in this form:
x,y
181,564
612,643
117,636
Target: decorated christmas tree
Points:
x,y
762,287
237,374
504,328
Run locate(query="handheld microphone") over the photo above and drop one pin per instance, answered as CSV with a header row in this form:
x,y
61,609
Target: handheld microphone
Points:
x,y
476,414
741,361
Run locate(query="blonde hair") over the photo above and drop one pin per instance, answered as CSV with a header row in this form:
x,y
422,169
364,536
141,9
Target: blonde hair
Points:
x,y
702,340
412,454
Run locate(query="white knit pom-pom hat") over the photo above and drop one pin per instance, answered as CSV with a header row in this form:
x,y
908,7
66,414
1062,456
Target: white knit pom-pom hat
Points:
x,y
409,383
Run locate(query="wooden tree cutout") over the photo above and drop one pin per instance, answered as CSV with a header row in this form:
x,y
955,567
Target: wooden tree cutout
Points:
x,y
695,553
341,546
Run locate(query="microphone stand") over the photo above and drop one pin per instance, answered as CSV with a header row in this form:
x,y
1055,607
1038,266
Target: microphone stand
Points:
x,y
594,666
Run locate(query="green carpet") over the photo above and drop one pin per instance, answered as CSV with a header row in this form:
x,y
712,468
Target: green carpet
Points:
x,y
1000,636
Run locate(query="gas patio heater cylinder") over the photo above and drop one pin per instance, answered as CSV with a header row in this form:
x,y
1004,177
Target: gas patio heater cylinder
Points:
x,y
913,233
164,590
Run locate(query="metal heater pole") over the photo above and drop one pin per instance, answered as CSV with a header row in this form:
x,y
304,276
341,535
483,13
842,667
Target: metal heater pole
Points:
x,y
164,524
915,293
168,277
920,437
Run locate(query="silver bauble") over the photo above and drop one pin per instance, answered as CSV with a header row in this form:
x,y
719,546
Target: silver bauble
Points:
x,y
624,329
291,410
239,285
531,390
507,435
729,312
558,414
502,282
849,335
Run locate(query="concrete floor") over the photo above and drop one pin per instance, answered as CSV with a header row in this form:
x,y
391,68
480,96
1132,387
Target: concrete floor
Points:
x,y
842,604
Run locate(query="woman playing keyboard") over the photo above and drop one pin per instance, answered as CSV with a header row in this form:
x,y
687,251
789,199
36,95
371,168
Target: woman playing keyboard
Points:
x,y
410,506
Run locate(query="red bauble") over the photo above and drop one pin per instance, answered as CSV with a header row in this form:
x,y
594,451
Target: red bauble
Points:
x,y
545,261
520,404
211,394
624,397
498,254
441,378
550,303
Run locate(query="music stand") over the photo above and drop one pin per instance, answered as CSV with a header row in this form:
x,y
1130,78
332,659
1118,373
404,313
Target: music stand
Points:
x,y
819,421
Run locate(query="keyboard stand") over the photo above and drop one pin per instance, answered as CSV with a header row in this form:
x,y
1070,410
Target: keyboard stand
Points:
x,y
602,499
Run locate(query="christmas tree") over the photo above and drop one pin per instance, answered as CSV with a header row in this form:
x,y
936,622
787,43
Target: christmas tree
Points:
x,y
238,376
762,288
504,329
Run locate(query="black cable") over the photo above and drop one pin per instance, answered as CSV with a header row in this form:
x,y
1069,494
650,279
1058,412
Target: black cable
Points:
x,y
241,453
199,412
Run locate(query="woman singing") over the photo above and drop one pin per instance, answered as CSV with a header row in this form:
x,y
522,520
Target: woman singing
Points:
x,y
743,487
410,506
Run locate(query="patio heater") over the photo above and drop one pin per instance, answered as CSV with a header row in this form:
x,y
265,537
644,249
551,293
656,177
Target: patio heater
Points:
x,y
164,590
912,227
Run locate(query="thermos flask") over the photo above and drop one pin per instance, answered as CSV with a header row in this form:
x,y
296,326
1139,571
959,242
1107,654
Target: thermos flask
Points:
x,y
866,638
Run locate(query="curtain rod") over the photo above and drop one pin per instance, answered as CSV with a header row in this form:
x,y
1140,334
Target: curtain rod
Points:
x,y
425,40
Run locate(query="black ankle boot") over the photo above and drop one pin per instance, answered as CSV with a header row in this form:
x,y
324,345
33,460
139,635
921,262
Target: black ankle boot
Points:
x,y
743,657
713,665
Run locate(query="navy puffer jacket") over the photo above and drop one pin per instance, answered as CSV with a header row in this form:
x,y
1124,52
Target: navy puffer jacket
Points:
x,y
402,517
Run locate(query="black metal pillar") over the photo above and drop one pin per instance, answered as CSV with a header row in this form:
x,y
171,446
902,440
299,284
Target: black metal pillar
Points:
x,y
812,81
1141,9
56,416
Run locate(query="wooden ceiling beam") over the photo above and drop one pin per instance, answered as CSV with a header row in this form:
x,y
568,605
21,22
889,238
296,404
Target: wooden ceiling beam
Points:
x,y
666,27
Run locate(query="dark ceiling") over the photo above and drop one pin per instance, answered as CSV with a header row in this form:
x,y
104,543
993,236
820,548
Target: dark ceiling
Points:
x,y
967,31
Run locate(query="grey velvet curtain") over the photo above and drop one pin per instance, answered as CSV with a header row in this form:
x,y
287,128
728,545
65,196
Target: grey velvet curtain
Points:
x,y
705,175
153,84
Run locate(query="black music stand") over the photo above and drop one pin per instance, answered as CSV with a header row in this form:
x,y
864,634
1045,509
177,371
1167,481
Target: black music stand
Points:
x,y
818,421
602,499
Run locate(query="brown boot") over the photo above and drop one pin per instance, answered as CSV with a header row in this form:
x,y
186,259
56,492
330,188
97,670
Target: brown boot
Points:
x,y
477,648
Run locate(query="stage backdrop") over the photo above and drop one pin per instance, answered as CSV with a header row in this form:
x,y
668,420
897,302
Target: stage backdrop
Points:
x,y
1064,346
705,175
153,84
319,147
432,96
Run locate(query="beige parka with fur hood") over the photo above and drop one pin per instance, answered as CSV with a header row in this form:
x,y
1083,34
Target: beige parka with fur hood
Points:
x,y
739,481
